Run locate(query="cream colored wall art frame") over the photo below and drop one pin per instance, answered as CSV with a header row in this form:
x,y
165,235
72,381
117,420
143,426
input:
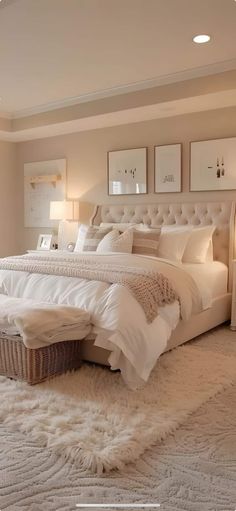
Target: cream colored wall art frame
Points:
x,y
44,181
167,159
213,165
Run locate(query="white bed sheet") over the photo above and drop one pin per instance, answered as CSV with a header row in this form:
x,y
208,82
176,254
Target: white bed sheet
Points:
x,y
211,279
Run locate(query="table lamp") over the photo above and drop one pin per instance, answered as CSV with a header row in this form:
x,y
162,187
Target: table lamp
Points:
x,y
67,211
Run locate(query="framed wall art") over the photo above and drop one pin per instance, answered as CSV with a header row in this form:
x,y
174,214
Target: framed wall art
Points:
x,y
127,171
167,168
44,181
213,165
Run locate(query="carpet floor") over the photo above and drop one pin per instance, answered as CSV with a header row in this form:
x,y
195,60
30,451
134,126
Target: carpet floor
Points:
x,y
193,469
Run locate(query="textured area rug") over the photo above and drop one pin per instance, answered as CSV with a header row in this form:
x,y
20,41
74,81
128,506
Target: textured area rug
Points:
x,y
91,418
193,469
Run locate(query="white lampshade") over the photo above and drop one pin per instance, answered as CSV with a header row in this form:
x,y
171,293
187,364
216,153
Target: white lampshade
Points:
x,y
64,210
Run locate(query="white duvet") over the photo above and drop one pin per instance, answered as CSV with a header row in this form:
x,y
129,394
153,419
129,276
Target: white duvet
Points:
x,y
118,319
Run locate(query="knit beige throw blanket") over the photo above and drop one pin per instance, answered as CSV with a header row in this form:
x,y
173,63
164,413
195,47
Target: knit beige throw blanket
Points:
x,y
151,289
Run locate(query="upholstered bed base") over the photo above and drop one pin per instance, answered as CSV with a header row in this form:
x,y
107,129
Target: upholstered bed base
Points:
x,y
185,331
220,214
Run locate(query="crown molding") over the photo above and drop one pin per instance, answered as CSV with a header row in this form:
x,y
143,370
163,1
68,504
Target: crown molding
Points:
x,y
172,109
217,67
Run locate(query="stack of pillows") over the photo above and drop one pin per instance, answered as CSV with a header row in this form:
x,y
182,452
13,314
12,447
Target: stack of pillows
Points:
x,y
187,244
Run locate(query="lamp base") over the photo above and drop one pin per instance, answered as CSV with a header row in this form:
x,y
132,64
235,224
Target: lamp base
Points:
x,y
67,232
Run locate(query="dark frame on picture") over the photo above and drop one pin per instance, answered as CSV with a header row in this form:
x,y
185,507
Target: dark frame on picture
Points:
x,y
127,171
168,168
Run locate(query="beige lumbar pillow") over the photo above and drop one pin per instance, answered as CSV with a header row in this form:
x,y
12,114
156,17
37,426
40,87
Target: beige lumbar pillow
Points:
x,y
116,242
89,238
146,241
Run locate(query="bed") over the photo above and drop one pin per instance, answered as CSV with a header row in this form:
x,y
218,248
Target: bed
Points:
x,y
220,214
121,335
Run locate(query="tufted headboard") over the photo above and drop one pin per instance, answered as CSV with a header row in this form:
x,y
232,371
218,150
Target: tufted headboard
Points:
x,y
220,214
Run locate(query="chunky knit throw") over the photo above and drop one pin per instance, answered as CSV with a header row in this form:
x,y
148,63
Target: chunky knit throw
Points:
x,y
150,288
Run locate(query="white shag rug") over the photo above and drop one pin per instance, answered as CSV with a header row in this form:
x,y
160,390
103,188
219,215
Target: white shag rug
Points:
x,y
91,417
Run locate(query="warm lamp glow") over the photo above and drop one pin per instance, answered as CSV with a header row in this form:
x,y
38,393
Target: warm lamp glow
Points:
x,y
64,210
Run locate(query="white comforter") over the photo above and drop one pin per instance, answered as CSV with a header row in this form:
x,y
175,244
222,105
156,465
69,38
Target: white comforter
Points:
x,y
118,319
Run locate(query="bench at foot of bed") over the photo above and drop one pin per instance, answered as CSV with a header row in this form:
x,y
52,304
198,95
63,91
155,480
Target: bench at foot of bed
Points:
x,y
37,365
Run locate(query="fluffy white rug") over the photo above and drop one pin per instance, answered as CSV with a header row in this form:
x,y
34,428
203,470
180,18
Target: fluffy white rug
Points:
x,y
92,418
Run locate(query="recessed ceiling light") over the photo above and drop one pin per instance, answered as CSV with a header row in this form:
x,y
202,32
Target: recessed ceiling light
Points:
x,y
201,38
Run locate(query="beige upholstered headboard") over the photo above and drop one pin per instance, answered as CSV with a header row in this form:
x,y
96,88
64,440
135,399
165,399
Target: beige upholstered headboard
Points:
x,y
220,214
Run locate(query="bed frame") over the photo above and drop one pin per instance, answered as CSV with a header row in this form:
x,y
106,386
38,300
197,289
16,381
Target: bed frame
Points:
x,y
220,214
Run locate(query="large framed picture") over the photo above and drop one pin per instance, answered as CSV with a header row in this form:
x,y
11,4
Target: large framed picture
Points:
x,y
167,168
213,165
127,171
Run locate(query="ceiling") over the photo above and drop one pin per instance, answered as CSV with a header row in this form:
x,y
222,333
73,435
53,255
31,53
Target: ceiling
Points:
x,y
53,52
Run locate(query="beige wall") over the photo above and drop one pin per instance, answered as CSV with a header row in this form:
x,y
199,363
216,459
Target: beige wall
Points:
x,y
9,200
86,154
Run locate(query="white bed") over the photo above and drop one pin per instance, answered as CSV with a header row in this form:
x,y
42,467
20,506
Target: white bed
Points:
x,y
217,275
121,332
211,278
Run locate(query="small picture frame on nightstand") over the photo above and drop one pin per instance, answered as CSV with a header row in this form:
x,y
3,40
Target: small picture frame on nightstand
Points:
x,y
44,242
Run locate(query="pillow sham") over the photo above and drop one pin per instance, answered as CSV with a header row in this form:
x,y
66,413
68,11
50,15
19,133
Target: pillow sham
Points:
x,y
173,243
209,254
89,238
146,241
198,246
116,242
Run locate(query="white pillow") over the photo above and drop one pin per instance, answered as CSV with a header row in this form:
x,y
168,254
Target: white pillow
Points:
x,y
209,255
116,242
173,242
197,248
176,228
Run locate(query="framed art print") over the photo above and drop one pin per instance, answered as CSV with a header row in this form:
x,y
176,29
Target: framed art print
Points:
x,y
127,171
167,168
213,165
44,242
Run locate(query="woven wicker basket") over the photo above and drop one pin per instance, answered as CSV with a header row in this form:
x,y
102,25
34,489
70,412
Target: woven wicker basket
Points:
x,y
35,366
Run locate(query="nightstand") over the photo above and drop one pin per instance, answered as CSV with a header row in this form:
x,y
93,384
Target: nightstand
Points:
x,y
41,251
233,306
53,251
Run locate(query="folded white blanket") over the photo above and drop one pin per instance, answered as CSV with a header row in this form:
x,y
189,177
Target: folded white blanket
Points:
x,y
40,323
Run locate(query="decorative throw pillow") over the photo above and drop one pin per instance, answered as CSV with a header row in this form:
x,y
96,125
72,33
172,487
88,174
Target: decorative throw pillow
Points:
x,y
173,243
146,241
116,242
197,248
89,238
